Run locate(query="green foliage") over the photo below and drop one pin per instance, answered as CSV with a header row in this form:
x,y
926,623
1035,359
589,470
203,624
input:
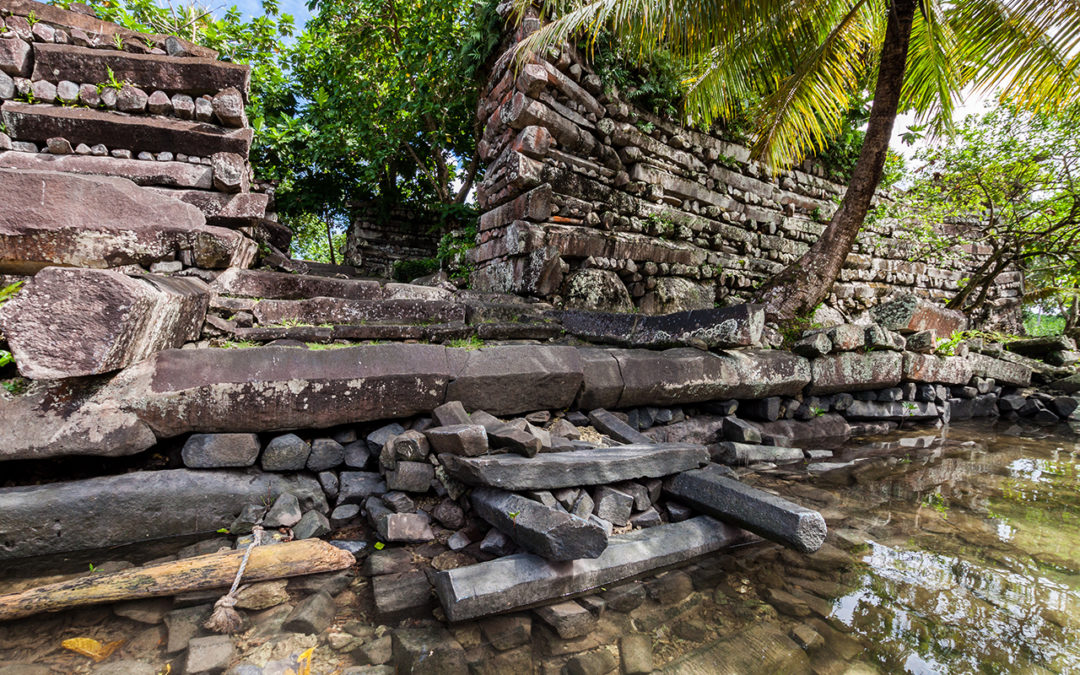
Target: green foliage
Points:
x,y
650,80
112,82
8,292
1040,325
15,385
310,240
450,254
407,270
470,343
1008,182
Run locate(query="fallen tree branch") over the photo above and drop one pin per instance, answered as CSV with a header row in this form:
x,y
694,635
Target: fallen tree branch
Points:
x,y
214,570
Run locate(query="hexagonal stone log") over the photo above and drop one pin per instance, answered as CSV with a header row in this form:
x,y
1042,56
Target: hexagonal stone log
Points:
x,y
135,507
514,379
854,371
525,580
167,174
738,326
53,218
938,369
71,322
539,529
279,388
911,314
598,466
893,411
38,123
1001,371
680,376
772,517
194,76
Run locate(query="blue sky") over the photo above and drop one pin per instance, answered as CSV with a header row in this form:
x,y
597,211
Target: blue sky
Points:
x,y
297,8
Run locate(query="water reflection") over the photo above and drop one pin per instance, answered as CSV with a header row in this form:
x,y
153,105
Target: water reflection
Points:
x,y
974,560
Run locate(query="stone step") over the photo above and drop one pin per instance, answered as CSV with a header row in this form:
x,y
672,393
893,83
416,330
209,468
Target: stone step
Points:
x,y
282,286
165,174
92,221
710,491
194,76
353,312
38,123
135,507
597,466
245,209
525,580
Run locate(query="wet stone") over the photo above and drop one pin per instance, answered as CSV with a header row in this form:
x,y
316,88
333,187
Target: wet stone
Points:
x,y
670,588
204,451
569,619
326,453
401,596
183,625
312,524
410,476
428,651
151,611
740,431
263,595
312,615
286,453
209,654
285,511
635,654
596,662
507,632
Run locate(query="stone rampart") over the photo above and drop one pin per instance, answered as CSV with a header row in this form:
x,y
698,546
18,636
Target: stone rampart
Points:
x,y
589,199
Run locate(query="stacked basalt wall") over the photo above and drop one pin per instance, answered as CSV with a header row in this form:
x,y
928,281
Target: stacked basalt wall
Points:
x,y
86,102
590,199
379,238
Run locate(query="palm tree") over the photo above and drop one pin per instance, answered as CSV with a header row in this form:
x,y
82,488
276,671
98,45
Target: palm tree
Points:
x,y
803,61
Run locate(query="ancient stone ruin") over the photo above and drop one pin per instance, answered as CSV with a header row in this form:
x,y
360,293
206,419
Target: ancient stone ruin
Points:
x,y
480,454
606,206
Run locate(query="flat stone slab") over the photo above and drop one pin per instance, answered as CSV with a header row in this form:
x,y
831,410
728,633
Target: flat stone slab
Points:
x,y
545,531
1002,372
525,580
278,388
243,209
284,286
597,466
774,518
189,75
680,376
38,123
515,379
70,322
164,174
135,507
53,218
762,648
856,371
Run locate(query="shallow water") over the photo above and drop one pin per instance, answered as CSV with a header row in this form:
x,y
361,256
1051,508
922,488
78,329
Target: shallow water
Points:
x,y
973,560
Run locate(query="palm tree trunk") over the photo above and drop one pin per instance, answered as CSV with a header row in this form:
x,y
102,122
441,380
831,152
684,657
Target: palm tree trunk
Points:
x,y
804,283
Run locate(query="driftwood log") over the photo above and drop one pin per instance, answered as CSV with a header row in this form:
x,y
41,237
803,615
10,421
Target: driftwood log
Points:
x,y
214,570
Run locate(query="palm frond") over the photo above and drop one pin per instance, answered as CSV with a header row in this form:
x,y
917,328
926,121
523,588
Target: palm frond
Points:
x,y
807,108
931,85
1027,49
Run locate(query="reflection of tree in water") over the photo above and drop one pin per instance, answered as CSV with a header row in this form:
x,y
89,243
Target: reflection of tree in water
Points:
x,y
960,581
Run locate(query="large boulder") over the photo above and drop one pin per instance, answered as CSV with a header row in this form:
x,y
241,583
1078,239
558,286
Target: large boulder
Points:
x,y
71,322
676,294
938,369
912,314
52,218
595,289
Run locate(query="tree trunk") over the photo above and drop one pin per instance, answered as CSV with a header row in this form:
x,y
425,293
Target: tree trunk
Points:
x,y
329,237
803,284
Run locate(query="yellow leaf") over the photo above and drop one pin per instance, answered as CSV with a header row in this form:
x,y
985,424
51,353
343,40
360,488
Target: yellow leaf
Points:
x,y
91,648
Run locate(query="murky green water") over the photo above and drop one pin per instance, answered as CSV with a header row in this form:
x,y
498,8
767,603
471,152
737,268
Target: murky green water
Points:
x,y
973,561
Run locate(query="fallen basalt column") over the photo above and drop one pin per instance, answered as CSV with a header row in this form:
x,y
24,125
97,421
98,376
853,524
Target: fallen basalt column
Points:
x,y
722,327
280,286
545,531
708,490
165,174
70,322
855,371
940,369
135,507
523,580
200,573
895,411
597,466
52,218
1002,372
514,379
279,388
